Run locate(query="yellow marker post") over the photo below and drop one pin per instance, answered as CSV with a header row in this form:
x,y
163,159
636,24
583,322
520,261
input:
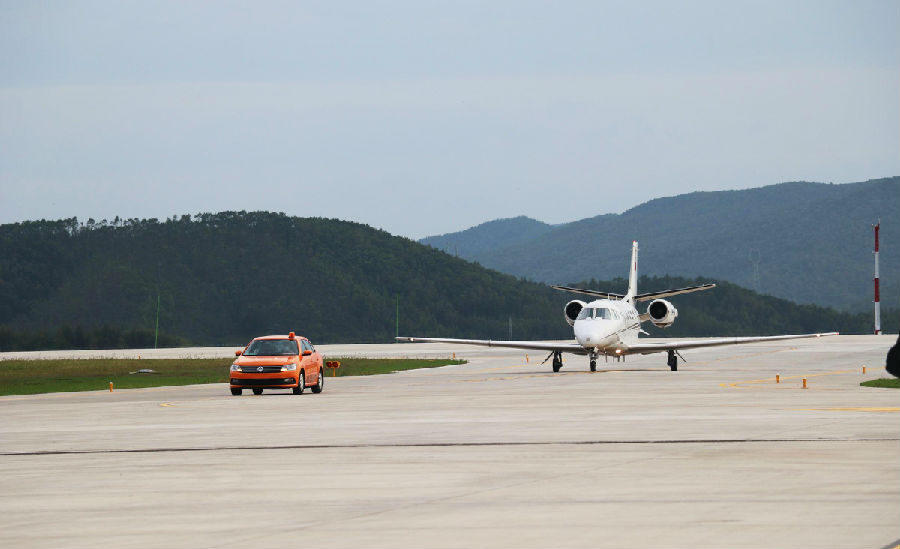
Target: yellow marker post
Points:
x,y
526,359
777,378
804,383
864,368
110,387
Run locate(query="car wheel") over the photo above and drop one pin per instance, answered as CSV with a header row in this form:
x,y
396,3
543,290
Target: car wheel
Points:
x,y
257,390
301,384
236,391
320,384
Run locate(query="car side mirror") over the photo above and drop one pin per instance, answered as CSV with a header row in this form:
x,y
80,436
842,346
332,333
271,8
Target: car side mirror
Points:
x,y
238,353
306,352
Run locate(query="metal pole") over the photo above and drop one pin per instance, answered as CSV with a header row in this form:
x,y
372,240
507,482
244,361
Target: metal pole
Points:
x,y
397,332
877,296
156,336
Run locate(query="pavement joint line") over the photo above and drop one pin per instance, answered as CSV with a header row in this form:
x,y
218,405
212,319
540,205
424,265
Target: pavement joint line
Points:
x,y
442,445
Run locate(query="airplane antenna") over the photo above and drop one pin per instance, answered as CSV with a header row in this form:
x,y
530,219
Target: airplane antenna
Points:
x,y
877,226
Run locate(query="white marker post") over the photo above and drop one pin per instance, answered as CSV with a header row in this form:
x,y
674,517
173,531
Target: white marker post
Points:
x,y
877,296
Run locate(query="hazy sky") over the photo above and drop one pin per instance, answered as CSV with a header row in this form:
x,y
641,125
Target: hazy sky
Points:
x,y
424,117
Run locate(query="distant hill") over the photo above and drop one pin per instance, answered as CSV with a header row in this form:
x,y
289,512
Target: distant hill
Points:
x,y
806,242
486,237
223,278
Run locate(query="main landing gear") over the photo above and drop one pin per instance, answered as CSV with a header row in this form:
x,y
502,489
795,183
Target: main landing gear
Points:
x,y
673,360
557,361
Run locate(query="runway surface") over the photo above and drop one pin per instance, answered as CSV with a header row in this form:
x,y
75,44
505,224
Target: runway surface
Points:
x,y
498,452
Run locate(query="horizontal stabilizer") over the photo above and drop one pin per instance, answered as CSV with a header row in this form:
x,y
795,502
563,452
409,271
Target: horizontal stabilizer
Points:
x,y
595,293
640,297
668,293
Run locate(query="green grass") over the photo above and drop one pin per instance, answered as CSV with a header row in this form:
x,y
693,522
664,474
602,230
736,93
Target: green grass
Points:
x,y
28,377
374,366
885,383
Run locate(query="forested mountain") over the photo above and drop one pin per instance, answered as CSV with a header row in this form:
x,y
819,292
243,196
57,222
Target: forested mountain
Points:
x,y
224,278
806,242
489,236
221,279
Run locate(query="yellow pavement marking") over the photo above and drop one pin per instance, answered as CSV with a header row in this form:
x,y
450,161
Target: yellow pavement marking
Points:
x,y
769,383
849,409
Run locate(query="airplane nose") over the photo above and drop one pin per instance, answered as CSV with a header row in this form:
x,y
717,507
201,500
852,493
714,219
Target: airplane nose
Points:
x,y
590,334
586,335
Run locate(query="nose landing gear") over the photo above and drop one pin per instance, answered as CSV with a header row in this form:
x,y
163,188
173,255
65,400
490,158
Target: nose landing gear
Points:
x,y
593,361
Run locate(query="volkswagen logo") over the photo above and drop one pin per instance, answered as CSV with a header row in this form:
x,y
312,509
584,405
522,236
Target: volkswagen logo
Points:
x,y
260,369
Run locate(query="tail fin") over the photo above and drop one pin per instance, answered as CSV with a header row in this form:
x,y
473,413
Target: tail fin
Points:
x,y
632,274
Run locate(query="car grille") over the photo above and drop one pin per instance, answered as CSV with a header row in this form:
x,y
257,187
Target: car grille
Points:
x,y
267,382
255,369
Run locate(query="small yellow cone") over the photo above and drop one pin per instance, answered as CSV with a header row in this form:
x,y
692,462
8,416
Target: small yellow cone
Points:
x,y
110,387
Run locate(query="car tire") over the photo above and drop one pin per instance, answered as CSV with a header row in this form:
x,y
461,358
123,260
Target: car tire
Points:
x,y
320,383
301,384
257,390
236,391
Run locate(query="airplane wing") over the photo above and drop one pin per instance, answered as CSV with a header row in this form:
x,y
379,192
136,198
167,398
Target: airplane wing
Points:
x,y
640,297
531,345
676,344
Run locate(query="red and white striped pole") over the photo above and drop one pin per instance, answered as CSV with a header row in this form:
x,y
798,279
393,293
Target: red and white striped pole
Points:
x,y
877,296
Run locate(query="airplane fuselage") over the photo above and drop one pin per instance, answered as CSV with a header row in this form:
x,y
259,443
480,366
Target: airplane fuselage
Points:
x,y
604,325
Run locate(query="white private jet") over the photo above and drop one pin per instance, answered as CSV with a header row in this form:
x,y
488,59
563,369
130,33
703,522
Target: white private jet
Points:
x,y
610,326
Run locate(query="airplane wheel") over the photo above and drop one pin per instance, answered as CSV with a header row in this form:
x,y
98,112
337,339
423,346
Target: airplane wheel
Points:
x,y
236,391
593,365
257,391
674,367
556,367
320,384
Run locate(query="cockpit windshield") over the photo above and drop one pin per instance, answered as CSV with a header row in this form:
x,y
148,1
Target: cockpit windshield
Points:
x,y
595,312
272,347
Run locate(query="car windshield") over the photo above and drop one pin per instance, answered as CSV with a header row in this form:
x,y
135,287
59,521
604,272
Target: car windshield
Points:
x,y
271,347
592,312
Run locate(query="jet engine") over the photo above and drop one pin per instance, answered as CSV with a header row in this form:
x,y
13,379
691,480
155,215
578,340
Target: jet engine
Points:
x,y
572,310
662,313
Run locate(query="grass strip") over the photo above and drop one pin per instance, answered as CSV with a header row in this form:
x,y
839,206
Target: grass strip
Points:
x,y
884,383
29,377
374,366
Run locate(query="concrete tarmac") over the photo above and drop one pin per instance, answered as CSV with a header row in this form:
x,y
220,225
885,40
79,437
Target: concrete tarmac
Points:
x,y
498,452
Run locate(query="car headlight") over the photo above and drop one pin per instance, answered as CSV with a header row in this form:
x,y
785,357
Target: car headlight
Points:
x,y
235,368
289,367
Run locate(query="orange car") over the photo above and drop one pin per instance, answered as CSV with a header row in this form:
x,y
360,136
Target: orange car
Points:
x,y
278,362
